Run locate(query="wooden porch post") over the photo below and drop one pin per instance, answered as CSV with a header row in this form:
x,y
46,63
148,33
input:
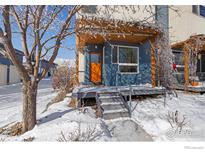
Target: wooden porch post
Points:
x,y
153,65
186,67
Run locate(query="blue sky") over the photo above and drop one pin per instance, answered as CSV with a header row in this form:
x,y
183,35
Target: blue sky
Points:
x,y
64,53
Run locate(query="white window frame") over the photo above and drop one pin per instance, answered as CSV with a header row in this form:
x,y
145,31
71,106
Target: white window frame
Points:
x,y
126,64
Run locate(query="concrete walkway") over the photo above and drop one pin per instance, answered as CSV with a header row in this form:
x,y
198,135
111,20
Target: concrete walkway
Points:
x,y
128,130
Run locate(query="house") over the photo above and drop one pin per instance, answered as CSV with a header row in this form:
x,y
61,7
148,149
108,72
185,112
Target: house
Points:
x,y
190,60
187,39
8,72
116,57
115,50
43,64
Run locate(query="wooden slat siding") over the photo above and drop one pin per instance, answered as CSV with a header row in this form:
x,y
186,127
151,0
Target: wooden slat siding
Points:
x,y
186,67
153,65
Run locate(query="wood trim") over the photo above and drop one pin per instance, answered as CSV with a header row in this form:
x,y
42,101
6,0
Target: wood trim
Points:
x,y
186,67
153,65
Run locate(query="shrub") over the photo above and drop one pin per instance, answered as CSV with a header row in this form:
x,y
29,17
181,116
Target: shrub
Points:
x,y
64,78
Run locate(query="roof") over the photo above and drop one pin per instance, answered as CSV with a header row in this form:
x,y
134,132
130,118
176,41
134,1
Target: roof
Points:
x,y
17,51
195,42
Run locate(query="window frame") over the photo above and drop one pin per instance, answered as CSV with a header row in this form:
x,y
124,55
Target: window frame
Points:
x,y
125,64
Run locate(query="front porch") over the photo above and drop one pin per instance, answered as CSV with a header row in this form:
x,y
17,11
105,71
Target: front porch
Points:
x,y
135,90
189,60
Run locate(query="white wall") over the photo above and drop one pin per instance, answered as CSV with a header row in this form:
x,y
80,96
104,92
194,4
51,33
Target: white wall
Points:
x,y
185,24
3,75
14,76
125,13
81,67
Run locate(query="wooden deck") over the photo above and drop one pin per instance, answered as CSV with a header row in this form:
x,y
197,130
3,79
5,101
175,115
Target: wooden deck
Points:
x,y
90,92
196,89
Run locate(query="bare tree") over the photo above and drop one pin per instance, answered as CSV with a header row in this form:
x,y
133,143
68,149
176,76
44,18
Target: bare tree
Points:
x,y
42,30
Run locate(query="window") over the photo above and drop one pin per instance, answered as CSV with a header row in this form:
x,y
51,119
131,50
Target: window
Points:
x,y
195,9
201,63
128,55
95,58
127,58
114,54
124,68
202,10
199,10
178,60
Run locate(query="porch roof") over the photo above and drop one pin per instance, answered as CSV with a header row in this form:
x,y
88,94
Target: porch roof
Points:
x,y
98,31
195,43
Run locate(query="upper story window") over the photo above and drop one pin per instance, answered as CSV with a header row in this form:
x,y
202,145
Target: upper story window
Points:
x,y
199,10
195,9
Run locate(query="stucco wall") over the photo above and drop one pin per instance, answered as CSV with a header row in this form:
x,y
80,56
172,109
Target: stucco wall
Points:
x,y
185,24
3,74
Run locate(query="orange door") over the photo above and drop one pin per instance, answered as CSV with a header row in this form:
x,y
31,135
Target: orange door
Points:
x,y
95,67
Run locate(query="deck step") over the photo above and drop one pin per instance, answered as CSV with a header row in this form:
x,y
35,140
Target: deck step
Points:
x,y
111,99
107,107
115,115
112,105
108,94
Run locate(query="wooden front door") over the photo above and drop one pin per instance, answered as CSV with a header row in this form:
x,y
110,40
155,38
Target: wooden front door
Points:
x,y
95,67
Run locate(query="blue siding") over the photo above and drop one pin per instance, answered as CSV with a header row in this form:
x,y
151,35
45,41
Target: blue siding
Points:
x,y
111,76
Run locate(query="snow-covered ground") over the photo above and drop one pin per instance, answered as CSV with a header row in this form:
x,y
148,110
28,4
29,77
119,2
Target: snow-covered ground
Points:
x,y
62,123
152,115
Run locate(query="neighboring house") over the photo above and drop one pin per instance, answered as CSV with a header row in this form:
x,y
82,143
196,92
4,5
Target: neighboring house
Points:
x,y
187,35
43,64
8,72
116,54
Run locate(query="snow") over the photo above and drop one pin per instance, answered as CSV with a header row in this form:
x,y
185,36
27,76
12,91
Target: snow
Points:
x,y
151,114
148,122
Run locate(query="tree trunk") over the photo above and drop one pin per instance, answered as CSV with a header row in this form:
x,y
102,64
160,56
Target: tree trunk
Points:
x,y
29,105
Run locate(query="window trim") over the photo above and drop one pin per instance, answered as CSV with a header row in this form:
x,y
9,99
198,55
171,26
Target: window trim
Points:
x,y
126,64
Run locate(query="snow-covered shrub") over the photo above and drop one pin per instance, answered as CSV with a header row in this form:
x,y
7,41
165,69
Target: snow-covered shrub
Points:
x,y
64,78
90,134
176,120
